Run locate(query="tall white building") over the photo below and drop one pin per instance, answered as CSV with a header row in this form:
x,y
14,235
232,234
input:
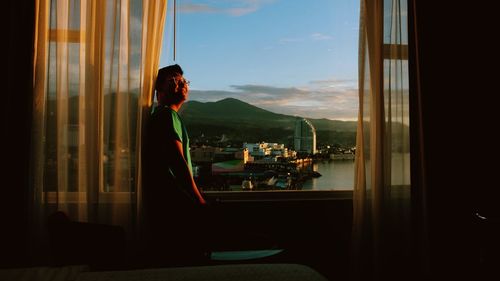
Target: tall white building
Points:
x,y
305,136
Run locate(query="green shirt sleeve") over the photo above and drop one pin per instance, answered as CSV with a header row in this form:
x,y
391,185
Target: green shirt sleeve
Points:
x,y
180,133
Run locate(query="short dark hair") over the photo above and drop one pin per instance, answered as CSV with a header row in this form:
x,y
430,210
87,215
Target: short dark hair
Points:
x,y
167,72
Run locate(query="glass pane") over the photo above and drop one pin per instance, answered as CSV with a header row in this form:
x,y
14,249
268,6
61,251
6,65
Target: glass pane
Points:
x,y
72,115
274,94
396,92
121,95
62,131
395,22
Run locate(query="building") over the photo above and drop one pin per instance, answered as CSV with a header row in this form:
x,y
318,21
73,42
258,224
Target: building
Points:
x,y
258,149
305,136
230,160
264,149
204,154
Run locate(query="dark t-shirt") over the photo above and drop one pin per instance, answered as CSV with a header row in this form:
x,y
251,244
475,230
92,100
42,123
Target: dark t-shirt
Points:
x,y
164,126
170,211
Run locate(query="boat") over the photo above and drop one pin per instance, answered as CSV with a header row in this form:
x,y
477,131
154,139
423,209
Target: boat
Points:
x,y
247,184
315,174
283,181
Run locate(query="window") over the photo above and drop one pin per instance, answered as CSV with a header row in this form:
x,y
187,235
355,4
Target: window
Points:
x,y
396,90
89,60
273,97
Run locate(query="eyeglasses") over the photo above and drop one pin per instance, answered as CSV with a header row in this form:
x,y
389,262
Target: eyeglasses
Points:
x,y
183,80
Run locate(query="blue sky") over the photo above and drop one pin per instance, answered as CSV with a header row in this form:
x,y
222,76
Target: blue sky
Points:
x,y
288,56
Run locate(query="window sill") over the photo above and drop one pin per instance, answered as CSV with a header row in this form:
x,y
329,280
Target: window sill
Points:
x,y
213,196
275,196
81,197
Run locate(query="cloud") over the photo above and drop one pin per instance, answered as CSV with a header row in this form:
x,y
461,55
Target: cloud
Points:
x,y
320,37
242,10
234,8
332,99
289,40
197,8
313,37
274,91
339,84
209,95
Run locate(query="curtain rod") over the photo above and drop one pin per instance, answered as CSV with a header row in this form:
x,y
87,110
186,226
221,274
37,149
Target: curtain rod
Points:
x,y
175,28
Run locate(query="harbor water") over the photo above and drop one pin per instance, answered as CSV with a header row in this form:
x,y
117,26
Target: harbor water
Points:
x,y
339,174
335,175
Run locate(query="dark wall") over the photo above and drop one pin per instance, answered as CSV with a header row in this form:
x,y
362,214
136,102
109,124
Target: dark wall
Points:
x,y
312,232
16,119
459,121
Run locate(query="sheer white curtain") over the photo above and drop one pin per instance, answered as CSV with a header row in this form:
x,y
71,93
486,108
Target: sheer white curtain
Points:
x,y
94,67
382,222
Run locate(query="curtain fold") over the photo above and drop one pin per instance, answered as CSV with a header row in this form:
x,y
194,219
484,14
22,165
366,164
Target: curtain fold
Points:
x,y
381,199
94,67
151,44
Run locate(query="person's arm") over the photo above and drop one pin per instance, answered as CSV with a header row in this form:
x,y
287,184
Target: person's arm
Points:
x,y
183,173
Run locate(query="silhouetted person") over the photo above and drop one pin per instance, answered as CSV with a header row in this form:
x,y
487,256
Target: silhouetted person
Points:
x,y
173,204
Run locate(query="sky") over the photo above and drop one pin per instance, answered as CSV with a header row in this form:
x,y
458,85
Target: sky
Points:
x,y
288,56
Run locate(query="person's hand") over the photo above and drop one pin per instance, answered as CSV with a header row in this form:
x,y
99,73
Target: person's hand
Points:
x,y
203,202
205,206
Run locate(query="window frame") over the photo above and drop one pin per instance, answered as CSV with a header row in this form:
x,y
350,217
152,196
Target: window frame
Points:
x,y
277,195
124,197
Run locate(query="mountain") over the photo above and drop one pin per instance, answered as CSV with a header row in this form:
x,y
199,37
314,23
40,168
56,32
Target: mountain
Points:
x,y
241,121
231,111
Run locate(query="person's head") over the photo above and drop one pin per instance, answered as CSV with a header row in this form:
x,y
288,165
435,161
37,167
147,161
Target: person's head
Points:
x,y
171,87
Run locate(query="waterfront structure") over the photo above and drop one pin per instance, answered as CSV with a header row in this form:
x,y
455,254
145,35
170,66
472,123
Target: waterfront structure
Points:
x,y
305,136
258,149
230,160
264,149
342,156
229,166
279,150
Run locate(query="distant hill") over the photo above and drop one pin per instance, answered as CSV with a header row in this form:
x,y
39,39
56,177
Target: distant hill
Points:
x,y
240,121
231,110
